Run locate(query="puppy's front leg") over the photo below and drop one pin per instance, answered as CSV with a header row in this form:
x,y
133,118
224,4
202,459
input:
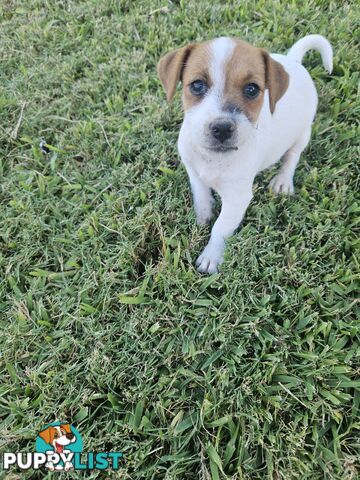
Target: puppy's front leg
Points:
x,y
234,205
202,196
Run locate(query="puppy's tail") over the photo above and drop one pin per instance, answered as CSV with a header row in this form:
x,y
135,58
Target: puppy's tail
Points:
x,y
315,42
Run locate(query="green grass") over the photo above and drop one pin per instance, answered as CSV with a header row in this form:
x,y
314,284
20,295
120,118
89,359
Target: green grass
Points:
x,y
252,373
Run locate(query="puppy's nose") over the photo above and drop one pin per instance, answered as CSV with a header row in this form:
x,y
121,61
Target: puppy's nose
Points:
x,y
222,129
70,436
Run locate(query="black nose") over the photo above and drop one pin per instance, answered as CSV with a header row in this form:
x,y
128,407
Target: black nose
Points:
x,y
222,130
70,436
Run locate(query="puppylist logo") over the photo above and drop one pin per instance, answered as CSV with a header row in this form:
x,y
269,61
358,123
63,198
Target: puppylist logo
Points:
x,y
59,447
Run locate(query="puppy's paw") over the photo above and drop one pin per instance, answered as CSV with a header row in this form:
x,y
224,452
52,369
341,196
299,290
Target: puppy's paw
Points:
x,y
209,260
282,183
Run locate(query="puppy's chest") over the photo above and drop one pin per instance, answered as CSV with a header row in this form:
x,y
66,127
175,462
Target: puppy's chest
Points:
x,y
211,171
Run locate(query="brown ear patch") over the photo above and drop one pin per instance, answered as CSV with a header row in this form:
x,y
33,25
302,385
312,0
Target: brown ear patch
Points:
x,y
48,434
66,427
170,68
276,79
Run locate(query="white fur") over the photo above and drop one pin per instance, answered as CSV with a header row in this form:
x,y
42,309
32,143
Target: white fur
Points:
x,y
315,42
285,133
222,49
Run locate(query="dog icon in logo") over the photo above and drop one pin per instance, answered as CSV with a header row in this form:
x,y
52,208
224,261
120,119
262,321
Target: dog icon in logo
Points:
x,y
58,437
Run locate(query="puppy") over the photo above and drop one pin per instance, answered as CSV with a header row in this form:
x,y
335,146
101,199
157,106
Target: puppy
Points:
x,y
58,437
244,110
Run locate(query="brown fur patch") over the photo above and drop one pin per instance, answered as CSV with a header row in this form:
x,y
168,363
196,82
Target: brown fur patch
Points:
x,y
48,434
246,65
249,64
197,68
66,427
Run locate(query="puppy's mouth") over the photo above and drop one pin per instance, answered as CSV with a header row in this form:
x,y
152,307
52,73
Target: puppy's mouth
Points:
x,y
59,448
222,148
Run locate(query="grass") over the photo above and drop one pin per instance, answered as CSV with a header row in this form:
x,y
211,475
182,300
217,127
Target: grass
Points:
x,y
252,373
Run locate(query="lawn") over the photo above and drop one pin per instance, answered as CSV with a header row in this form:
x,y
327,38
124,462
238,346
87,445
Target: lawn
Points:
x,y
252,373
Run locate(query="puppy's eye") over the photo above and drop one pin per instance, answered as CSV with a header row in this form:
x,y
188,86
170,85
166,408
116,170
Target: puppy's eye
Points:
x,y
56,435
198,88
251,90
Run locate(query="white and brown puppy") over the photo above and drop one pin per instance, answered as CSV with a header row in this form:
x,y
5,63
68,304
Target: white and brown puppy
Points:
x,y
244,110
58,437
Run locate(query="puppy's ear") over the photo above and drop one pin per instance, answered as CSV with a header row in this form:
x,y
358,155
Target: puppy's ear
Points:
x,y
276,79
66,427
170,68
47,435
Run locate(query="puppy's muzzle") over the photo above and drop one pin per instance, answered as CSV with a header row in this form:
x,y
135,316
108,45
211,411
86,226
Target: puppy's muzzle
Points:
x,y
222,129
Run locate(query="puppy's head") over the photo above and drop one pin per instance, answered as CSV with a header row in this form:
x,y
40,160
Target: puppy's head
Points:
x,y
58,436
224,81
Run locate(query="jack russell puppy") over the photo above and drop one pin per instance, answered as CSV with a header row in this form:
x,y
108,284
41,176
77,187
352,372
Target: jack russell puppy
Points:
x,y
58,437
244,110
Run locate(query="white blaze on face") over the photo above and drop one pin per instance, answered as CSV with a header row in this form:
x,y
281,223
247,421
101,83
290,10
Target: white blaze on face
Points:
x,y
222,49
62,439
210,107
